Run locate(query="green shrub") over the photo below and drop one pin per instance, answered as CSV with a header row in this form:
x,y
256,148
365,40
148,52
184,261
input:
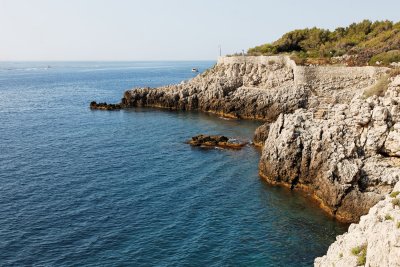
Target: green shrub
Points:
x,y
398,224
371,41
361,253
379,88
386,58
394,194
388,217
396,202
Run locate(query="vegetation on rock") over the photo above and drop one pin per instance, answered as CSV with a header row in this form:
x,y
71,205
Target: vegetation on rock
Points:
x,y
361,253
388,217
367,42
396,202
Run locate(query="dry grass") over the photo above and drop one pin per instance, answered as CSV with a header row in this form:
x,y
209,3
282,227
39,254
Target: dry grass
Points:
x,y
379,88
394,72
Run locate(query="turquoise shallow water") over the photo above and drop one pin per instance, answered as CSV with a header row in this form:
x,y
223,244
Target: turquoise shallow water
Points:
x,y
90,188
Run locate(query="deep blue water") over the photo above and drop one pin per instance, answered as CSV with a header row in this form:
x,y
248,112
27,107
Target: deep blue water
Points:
x,y
89,188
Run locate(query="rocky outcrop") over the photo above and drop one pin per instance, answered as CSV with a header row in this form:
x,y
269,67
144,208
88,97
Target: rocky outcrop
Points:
x,y
254,88
104,106
374,241
221,141
346,158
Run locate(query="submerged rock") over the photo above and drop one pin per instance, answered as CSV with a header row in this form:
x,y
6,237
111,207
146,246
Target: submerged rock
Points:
x,y
216,141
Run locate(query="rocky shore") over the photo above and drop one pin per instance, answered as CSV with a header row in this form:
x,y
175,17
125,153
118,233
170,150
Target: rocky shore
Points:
x,y
322,133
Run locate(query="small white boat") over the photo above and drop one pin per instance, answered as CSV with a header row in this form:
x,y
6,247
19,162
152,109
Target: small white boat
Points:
x,y
195,70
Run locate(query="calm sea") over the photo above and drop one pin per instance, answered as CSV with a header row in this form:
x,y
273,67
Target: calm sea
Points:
x,y
97,188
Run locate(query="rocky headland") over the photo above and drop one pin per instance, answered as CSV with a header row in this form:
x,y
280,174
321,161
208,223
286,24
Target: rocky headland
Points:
x,y
328,130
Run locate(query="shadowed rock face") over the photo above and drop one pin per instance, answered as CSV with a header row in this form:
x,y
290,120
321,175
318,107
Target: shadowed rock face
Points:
x,y
321,134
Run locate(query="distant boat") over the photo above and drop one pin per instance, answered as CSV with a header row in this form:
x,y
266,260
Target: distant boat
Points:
x,y
195,70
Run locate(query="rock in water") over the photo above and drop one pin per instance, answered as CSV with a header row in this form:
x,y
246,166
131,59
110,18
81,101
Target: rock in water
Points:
x,y
216,141
104,106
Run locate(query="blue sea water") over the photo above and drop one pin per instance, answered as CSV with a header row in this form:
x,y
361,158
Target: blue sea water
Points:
x,y
121,188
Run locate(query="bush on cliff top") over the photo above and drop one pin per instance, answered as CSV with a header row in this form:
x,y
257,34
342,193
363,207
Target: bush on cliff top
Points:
x,y
362,41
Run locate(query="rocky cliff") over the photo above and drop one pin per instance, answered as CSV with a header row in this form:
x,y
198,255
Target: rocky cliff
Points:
x,y
255,88
348,158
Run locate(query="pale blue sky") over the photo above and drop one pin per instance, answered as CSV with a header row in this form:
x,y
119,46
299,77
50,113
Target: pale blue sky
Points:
x,y
165,30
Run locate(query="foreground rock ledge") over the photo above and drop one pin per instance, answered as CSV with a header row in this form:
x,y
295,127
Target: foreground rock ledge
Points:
x,y
221,141
374,241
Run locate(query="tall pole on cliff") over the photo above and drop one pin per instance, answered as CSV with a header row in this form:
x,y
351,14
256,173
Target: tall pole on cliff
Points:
x,y
220,53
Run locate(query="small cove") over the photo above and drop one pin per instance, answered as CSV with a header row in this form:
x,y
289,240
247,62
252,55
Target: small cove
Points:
x,y
81,187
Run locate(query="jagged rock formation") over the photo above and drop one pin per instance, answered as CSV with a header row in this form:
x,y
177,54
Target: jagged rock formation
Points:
x,y
347,158
377,233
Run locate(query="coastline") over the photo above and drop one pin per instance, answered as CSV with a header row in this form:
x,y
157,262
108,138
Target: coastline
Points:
x,y
321,135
